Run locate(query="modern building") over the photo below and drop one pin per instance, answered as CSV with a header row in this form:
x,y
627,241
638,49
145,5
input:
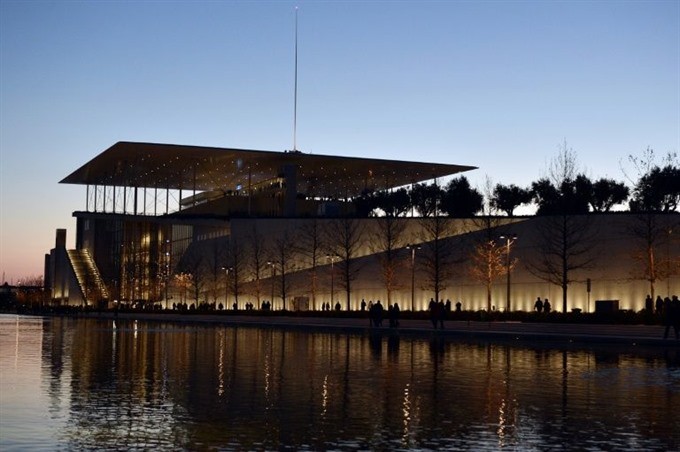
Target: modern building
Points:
x,y
172,225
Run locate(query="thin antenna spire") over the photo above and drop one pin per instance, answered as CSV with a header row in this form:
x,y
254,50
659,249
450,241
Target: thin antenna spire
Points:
x,y
296,77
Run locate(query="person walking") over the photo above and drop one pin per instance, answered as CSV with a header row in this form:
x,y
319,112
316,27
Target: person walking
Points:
x,y
538,306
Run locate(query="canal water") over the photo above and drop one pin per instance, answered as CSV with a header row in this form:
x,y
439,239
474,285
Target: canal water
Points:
x,y
70,384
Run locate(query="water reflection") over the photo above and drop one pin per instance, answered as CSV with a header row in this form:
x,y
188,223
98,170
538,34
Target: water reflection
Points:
x,y
150,385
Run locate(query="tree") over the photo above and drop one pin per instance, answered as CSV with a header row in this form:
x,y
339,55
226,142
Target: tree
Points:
x,y
282,252
565,231
507,198
606,193
658,190
385,243
438,258
215,258
426,199
345,239
237,262
655,191
569,196
194,264
394,203
460,200
256,259
182,281
486,265
487,258
310,246
365,203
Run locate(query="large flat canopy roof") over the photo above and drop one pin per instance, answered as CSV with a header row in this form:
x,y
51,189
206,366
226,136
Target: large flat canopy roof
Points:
x,y
171,166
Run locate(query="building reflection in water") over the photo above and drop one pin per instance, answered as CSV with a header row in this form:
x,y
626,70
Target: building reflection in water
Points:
x,y
148,385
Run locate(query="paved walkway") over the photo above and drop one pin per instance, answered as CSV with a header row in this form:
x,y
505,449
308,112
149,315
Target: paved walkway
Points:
x,y
571,332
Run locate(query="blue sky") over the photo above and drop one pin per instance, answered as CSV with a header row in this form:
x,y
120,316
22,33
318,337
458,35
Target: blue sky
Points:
x,y
498,85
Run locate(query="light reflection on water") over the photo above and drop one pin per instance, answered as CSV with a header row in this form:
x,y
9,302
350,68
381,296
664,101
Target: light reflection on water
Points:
x,y
81,384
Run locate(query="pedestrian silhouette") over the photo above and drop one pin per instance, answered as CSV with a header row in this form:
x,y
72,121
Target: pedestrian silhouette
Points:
x,y
538,306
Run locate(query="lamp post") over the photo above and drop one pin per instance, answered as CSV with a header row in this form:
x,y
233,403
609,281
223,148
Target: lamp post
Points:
x,y
332,259
226,286
509,240
413,249
272,265
167,270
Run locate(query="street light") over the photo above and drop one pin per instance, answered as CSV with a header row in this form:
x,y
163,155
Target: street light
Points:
x,y
413,249
509,240
272,265
226,286
332,258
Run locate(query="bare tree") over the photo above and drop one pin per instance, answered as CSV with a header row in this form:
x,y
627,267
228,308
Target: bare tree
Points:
x,y
237,263
345,238
487,259
215,258
310,246
194,264
256,256
438,256
567,240
384,243
182,282
651,230
283,259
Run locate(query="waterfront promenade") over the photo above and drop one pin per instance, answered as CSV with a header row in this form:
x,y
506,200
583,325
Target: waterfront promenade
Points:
x,y
502,330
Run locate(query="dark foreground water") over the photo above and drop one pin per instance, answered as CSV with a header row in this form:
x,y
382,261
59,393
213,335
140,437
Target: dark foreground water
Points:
x,y
89,384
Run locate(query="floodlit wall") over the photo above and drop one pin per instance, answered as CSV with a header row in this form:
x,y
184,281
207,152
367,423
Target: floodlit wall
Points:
x,y
615,271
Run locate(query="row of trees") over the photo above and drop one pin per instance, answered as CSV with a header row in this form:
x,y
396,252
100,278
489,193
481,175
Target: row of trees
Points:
x,y
566,190
335,245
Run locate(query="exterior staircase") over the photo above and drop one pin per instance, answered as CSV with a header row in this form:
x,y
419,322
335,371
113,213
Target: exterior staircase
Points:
x,y
89,280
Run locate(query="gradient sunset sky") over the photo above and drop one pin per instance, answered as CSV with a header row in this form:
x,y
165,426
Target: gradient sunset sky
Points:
x,y
494,84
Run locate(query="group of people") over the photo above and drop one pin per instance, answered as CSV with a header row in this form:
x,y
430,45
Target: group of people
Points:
x,y
376,313
669,310
326,306
438,310
542,305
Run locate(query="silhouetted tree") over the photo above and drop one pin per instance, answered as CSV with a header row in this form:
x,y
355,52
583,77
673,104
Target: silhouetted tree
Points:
x,y
310,246
215,262
507,198
394,203
345,239
565,197
460,200
384,243
365,203
426,198
487,259
566,237
606,193
655,191
256,257
438,252
236,260
283,258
